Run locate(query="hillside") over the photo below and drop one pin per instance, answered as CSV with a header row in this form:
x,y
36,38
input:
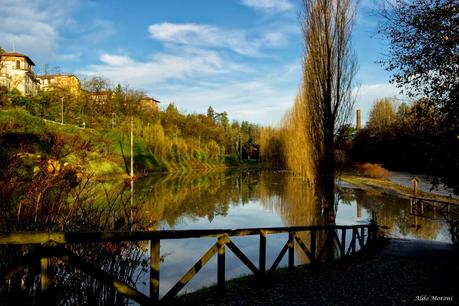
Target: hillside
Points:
x,y
96,152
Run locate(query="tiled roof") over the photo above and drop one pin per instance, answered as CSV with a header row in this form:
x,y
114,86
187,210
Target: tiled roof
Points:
x,y
52,76
17,54
150,98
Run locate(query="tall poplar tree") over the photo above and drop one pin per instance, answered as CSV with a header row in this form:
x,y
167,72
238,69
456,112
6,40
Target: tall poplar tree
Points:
x,y
329,70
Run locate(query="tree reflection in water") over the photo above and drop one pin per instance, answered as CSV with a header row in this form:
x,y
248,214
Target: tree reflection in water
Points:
x,y
165,201
89,206
394,213
292,199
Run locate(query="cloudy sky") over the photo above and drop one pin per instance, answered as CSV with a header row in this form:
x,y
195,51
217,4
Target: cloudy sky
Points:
x,y
239,56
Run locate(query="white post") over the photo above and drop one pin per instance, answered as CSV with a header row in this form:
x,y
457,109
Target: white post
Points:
x,y
62,110
132,147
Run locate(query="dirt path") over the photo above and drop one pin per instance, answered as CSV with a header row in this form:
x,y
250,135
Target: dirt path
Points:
x,y
387,186
398,272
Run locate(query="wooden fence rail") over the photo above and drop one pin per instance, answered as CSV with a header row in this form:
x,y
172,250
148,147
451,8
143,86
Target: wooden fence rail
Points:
x,y
418,206
440,210
52,244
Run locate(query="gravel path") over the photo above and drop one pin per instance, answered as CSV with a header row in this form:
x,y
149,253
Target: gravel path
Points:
x,y
399,272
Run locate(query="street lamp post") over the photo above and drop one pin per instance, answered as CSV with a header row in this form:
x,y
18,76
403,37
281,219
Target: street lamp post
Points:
x,y
62,110
132,146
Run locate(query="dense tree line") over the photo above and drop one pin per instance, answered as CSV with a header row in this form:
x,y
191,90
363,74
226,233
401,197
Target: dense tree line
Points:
x,y
421,137
167,132
424,59
409,137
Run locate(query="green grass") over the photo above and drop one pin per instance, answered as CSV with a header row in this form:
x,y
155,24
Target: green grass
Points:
x,y
20,121
109,150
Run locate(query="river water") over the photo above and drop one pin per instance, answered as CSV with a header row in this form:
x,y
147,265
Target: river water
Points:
x,y
227,199
242,199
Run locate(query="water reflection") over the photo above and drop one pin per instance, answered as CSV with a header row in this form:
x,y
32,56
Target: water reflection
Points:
x,y
217,199
394,213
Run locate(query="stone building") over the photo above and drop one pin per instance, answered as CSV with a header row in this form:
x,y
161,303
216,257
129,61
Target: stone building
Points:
x,y
149,103
16,72
64,82
101,97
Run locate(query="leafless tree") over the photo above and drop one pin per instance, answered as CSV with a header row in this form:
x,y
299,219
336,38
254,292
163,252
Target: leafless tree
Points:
x,y
329,69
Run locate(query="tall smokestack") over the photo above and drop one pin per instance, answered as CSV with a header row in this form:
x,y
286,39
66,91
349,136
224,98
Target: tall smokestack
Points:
x,y
358,124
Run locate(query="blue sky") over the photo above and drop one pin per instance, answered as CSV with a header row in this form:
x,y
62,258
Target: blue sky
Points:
x,y
239,56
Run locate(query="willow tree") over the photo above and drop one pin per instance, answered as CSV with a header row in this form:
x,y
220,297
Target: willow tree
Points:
x,y
329,68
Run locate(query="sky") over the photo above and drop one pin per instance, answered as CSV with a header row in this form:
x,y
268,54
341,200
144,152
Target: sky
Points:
x,y
239,56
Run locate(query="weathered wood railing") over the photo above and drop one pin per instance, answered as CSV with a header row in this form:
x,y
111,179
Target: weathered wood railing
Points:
x,y
445,210
53,245
418,207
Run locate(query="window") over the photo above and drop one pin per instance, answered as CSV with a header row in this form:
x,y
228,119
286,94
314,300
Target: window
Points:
x,y
18,64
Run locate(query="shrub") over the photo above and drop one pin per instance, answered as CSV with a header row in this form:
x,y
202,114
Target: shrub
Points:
x,y
4,101
372,170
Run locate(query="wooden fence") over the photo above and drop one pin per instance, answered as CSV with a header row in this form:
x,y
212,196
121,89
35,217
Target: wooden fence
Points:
x,y
54,245
449,211
446,210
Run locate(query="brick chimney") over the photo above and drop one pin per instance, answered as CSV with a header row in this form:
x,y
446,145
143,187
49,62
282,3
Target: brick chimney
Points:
x,y
358,123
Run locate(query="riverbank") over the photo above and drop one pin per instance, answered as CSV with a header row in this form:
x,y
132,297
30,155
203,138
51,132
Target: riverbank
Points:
x,y
349,179
95,152
394,272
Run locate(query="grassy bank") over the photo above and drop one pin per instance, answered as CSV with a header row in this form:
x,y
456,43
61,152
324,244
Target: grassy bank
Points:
x,y
99,153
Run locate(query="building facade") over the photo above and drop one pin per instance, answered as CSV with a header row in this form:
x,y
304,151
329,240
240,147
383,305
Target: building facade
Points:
x,y
16,72
149,103
69,83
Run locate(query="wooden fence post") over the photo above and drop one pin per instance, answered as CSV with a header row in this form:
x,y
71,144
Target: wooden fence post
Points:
x,y
154,269
60,239
221,266
415,186
313,246
291,253
354,234
262,254
45,275
343,242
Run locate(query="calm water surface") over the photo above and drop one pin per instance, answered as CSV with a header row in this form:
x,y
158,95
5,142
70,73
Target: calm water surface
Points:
x,y
242,199
226,199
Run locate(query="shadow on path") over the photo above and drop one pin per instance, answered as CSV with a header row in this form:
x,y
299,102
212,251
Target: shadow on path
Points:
x,y
395,272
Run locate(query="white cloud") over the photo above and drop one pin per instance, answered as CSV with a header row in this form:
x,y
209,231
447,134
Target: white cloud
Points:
x,y
244,42
32,25
195,66
261,96
183,33
36,28
116,60
269,5
69,56
195,79
186,64
23,27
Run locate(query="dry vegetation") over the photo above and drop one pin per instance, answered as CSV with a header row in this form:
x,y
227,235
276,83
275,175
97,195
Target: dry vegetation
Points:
x,y
372,171
305,143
